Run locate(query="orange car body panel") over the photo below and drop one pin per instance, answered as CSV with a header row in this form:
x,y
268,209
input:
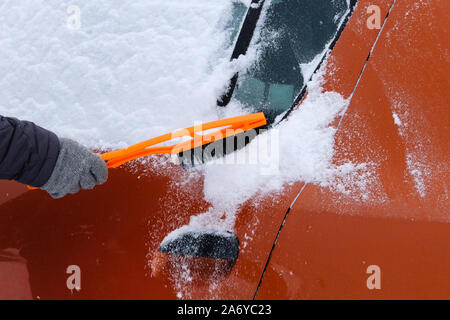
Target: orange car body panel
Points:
x,y
328,239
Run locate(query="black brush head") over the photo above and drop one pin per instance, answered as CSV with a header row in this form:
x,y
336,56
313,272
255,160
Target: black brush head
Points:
x,y
217,149
203,244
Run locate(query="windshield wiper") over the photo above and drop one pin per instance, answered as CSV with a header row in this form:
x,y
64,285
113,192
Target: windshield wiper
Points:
x,y
242,44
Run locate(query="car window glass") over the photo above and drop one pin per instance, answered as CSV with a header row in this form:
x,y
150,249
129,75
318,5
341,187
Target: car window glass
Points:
x,y
294,32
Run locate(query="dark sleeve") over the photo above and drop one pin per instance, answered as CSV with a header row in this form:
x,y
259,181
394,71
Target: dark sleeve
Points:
x,y
28,153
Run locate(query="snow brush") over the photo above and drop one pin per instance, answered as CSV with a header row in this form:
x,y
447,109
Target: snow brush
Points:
x,y
227,129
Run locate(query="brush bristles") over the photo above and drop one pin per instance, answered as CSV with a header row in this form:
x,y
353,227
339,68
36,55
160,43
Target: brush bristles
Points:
x,y
216,149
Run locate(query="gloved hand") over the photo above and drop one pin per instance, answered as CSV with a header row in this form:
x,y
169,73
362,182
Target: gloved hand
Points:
x,y
76,168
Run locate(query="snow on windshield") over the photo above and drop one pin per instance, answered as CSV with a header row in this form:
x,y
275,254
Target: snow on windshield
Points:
x,y
132,69
135,69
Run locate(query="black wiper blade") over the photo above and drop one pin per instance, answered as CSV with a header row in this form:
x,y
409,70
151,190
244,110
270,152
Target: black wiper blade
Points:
x,y
242,44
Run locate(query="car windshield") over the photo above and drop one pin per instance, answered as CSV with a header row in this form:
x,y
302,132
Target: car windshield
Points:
x,y
293,34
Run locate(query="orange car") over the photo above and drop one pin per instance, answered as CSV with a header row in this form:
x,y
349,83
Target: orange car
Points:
x,y
381,232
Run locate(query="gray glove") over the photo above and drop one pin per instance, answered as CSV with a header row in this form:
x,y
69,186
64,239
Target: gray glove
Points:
x,y
76,168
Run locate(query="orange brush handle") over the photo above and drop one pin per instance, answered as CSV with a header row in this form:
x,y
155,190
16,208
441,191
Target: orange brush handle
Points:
x,y
226,128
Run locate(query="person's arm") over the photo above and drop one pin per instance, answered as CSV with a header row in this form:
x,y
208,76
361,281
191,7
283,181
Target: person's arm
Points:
x,y
28,153
37,157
